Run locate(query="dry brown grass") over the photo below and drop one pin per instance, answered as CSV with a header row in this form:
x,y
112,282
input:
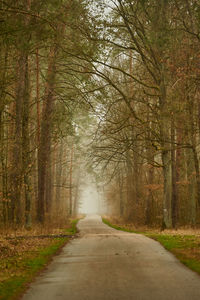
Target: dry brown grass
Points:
x,y
180,231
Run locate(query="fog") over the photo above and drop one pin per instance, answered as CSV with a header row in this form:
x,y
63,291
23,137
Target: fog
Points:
x,y
91,200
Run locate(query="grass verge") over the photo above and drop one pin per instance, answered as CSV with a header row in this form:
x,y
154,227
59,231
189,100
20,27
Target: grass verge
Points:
x,y
72,229
122,227
185,247
21,260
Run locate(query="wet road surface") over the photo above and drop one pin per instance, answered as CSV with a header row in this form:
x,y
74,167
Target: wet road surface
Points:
x,y
106,264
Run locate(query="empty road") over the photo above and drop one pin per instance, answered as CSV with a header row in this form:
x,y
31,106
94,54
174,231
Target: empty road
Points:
x,y
106,264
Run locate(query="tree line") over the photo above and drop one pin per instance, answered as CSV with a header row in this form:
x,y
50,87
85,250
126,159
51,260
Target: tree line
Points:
x,y
40,98
121,74
147,141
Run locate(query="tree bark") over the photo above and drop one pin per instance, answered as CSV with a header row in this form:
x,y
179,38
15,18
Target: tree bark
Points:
x,y
59,167
70,180
16,175
26,158
45,133
174,176
165,134
191,187
49,182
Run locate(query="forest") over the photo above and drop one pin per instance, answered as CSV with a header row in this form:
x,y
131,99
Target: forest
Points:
x,y
105,87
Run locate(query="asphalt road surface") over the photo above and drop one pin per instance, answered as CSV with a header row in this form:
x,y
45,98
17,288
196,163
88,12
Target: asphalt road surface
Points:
x,y
106,264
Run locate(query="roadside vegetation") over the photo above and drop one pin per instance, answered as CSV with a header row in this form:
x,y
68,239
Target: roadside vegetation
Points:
x,y
22,257
184,244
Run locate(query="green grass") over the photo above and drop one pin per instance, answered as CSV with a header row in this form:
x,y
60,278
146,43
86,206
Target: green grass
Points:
x,y
193,264
171,242
119,227
24,269
27,268
35,264
11,287
185,247
72,229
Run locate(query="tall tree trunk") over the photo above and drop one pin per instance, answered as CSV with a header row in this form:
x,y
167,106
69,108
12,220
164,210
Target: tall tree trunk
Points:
x,y
167,201
21,127
45,134
165,133
59,167
26,158
129,211
174,176
150,176
197,172
149,198
78,178
16,175
121,198
3,134
191,187
48,182
4,194
64,193
193,137
38,95
135,178
70,181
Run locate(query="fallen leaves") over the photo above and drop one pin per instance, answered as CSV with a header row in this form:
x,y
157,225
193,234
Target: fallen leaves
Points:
x,y
12,252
